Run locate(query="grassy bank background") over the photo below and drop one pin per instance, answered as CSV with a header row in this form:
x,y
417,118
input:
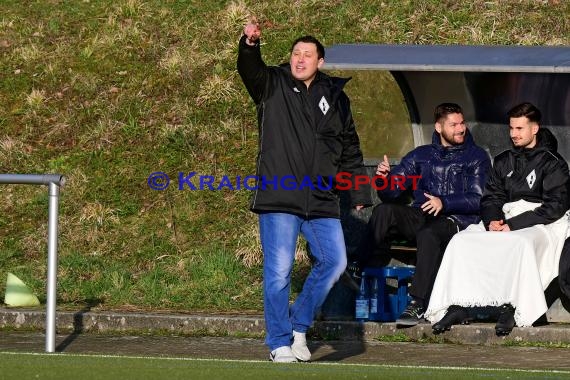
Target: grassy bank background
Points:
x,y
107,92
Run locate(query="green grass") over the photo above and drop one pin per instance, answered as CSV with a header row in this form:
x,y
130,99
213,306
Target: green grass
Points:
x,y
107,92
45,366
514,343
399,337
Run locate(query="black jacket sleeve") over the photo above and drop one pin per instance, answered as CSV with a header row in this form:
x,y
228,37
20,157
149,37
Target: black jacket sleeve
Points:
x,y
494,195
252,69
351,159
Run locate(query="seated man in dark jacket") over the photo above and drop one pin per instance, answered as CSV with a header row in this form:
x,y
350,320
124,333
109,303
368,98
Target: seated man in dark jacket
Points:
x,y
446,199
512,256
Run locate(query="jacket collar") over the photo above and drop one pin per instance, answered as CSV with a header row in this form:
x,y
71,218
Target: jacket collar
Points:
x,y
336,83
545,141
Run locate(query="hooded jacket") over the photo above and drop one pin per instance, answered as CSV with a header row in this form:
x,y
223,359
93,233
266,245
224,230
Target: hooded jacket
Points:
x,y
538,174
455,174
306,137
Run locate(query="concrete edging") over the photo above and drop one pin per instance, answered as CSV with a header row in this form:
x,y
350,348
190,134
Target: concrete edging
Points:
x,y
253,325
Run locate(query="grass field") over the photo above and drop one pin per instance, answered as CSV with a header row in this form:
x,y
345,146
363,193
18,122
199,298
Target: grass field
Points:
x,y
108,91
91,367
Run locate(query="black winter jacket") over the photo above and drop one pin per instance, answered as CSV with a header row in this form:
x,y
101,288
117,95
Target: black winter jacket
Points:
x,y
455,174
538,175
306,137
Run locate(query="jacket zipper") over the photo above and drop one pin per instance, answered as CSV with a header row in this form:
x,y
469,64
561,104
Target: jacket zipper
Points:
x,y
307,101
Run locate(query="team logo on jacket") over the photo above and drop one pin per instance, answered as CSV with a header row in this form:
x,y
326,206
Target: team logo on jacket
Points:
x,y
324,105
531,179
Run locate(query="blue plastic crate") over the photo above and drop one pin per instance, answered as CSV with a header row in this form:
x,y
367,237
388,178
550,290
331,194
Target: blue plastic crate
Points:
x,y
390,305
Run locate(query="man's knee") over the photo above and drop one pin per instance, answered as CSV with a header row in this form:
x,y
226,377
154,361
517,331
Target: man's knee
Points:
x,y
383,217
338,268
382,210
335,263
273,286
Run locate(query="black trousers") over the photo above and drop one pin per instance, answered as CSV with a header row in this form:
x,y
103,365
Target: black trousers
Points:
x,y
430,233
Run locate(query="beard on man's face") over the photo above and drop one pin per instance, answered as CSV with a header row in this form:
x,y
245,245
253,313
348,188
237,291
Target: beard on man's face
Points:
x,y
454,138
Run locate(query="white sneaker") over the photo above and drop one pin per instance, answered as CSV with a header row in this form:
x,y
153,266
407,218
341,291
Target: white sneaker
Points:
x,y
299,347
282,354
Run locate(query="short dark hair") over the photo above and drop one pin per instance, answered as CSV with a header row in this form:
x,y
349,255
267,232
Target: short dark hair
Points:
x,y
445,109
311,40
527,110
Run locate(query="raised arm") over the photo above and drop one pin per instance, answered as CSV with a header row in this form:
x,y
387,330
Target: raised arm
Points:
x,y
250,65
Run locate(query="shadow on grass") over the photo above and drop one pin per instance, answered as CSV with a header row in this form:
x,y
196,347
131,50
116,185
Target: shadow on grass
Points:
x,y
78,326
342,349
336,328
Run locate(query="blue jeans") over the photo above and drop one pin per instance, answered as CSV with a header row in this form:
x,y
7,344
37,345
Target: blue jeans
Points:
x,y
279,233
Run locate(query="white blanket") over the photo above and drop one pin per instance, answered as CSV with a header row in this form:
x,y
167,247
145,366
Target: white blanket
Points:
x,y
489,268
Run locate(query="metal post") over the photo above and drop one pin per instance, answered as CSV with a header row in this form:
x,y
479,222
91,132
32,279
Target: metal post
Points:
x,y
54,181
52,266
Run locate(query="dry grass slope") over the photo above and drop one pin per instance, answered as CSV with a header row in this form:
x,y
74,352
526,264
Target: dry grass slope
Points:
x,y
107,92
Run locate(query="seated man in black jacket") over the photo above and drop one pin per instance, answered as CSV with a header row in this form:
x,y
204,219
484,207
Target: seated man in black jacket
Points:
x,y
511,257
447,179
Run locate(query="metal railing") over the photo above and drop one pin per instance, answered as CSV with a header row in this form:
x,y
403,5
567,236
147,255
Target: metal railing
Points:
x,y
53,181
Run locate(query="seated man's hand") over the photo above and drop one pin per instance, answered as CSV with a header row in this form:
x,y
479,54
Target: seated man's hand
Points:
x,y
499,225
433,205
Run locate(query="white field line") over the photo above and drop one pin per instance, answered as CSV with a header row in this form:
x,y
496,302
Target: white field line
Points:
x,y
553,371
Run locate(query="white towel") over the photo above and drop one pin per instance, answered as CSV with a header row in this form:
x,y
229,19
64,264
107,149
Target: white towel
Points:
x,y
489,268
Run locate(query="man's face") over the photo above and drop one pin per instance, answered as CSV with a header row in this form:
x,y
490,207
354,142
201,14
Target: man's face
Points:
x,y
451,129
523,132
305,62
